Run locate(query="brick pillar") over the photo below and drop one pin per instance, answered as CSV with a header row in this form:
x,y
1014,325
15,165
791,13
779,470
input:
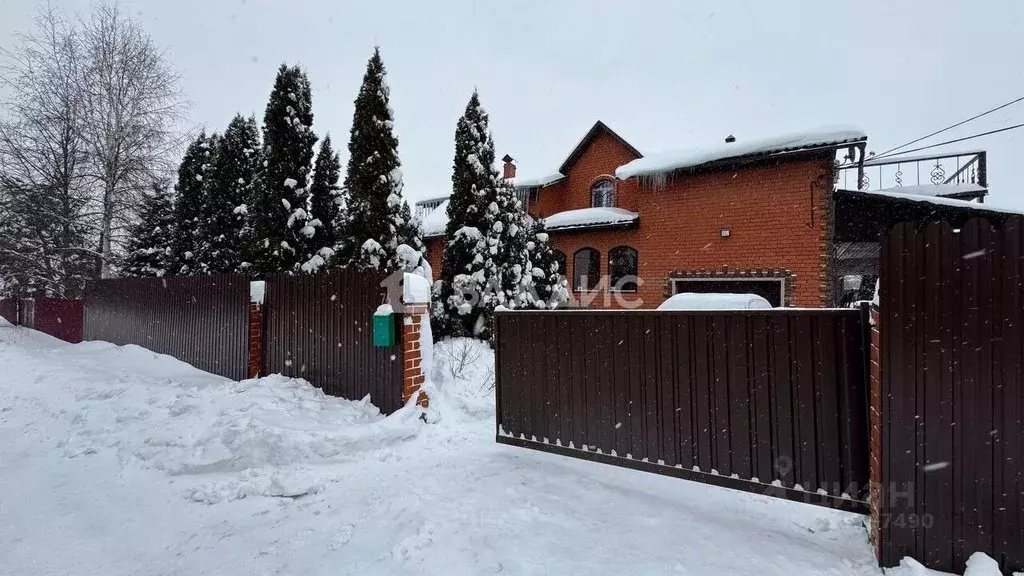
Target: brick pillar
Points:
x,y
413,376
255,338
875,425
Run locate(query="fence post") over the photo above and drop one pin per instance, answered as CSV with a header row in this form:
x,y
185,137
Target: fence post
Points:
x,y
875,427
414,313
257,294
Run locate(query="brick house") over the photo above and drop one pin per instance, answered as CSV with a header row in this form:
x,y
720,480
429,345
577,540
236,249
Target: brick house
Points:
x,y
752,217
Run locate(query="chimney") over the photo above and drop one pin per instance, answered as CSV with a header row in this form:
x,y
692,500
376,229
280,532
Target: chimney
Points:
x,y
730,139
509,168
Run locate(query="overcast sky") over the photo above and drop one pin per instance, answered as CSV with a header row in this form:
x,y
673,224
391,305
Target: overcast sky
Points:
x,y
664,75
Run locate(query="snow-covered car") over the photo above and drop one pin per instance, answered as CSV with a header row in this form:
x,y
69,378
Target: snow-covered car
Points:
x,y
721,301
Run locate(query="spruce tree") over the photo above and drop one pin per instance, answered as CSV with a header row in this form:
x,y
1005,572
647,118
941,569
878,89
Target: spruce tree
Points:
x,y
280,223
233,179
190,208
550,289
149,247
374,216
458,309
325,200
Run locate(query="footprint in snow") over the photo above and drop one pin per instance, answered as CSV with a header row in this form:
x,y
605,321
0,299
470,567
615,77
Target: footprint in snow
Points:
x,y
342,537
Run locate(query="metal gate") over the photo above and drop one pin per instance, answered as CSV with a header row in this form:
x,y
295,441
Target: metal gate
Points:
x,y
773,401
952,394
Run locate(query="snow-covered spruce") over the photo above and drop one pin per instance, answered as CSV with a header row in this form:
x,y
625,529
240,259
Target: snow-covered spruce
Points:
x,y
190,209
278,211
324,205
233,181
149,246
457,307
376,218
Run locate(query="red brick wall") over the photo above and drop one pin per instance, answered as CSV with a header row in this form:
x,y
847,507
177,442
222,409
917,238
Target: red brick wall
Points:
x,y
413,376
767,209
777,222
600,159
255,339
435,248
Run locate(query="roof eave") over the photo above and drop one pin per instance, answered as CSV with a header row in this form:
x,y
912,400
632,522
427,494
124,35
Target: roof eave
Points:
x,y
588,227
756,158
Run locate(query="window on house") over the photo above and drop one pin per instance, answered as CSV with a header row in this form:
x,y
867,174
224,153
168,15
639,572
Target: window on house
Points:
x,y
560,260
586,269
602,194
622,268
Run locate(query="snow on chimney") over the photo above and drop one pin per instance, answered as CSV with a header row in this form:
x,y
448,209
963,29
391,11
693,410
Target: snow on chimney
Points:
x,y
509,170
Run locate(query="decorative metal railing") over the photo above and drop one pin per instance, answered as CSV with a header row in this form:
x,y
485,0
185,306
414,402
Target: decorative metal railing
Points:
x,y
899,171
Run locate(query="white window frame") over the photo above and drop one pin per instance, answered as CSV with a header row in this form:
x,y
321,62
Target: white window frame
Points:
x,y
782,283
614,192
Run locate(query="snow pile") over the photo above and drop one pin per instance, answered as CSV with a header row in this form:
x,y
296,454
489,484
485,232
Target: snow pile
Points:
x,y
463,376
938,189
666,162
436,221
586,217
257,291
120,461
979,564
697,301
415,289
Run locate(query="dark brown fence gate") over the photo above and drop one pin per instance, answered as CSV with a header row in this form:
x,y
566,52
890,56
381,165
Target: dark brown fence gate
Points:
x,y
772,401
318,327
202,320
952,417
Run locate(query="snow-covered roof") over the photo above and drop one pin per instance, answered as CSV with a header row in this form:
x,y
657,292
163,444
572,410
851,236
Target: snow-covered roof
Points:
x,y
590,218
719,301
434,223
939,200
667,162
537,182
939,189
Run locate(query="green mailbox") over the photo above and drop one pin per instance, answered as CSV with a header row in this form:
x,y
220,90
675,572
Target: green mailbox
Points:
x,y
385,327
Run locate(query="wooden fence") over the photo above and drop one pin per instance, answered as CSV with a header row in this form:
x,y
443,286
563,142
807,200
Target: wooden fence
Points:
x,y
202,320
765,401
952,394
318,327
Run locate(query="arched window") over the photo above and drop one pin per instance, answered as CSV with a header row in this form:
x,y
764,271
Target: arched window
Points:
x,y
622,268
602,194
560,260
586,269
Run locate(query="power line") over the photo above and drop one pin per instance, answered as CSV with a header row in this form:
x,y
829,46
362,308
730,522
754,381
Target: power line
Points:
x,y
1014,127
961,123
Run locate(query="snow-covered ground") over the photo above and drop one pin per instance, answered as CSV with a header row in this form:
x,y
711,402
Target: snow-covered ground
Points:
x,y
116,460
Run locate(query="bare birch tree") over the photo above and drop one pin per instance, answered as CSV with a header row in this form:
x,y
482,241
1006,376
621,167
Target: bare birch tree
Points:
x,y
132,105
44,195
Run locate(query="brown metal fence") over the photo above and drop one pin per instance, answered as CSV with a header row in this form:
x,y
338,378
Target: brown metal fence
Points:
x,y
9,310
200,320
952,312
319,328
772,401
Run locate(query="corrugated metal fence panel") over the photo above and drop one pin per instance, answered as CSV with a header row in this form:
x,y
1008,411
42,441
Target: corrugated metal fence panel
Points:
x,y
953,398
202,320
319,328
9,310
720,397
59,318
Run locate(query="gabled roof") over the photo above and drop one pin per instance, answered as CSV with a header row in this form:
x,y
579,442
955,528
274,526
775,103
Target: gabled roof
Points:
x,y
598,129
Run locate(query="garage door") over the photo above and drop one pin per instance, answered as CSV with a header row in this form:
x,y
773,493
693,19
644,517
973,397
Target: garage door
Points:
x,y
771,289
